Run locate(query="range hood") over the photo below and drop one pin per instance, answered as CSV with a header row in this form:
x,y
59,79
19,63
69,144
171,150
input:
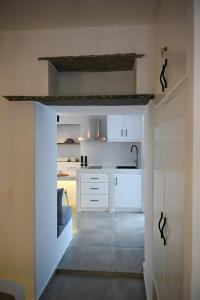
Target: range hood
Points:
x,y
91,131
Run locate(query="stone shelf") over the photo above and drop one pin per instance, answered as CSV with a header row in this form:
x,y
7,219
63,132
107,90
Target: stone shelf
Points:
x,y
94,63
96,100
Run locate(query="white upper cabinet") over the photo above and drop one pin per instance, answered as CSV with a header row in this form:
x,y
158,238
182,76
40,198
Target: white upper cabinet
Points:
x,y
124,128
115,128
133,124
171,34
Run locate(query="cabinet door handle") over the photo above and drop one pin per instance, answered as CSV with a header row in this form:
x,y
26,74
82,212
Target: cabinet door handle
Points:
x,y
160,220
116,181
164,77
161,79
162,230
126,132
94,188
94,200
122,133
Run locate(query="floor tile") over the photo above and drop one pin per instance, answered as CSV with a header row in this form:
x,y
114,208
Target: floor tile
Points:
x,y
129,260
127,289
98,258
130,238
92,238
79,288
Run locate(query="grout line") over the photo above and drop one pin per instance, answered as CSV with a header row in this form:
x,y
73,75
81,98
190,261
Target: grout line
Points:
x,y
105,274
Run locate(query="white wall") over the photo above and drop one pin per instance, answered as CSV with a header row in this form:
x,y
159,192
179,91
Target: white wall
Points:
x,y
148,182
22,74
17,217
53,81
196,162
49,249
29,250
46,197
65,131
101,83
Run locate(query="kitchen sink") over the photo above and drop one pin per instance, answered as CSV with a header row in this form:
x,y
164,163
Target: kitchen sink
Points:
x,y
94,167
126,167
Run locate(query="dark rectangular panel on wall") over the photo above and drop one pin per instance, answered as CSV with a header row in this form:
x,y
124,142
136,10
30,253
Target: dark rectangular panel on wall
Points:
x,y
94,63
96,100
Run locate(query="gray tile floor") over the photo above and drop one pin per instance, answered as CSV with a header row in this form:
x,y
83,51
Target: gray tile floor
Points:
x,y
106,242
94,288
103,242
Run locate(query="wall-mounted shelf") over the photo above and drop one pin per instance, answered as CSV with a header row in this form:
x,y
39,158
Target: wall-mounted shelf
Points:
x,y
94,63
96,100
68,144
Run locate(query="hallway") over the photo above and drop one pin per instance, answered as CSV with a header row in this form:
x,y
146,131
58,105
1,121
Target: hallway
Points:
x,y
104,259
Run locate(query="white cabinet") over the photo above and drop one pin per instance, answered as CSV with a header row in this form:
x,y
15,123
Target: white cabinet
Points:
x,y
128,192
115,128
169,198
172,34
94,191
124,128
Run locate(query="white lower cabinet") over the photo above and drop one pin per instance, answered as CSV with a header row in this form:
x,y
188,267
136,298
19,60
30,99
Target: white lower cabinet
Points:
x,y
94,191
94,188
128,192
94,201
169,198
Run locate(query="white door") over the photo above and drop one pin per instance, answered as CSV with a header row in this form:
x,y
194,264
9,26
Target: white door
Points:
x,y
133,128
128,191
169,199
115,128
174,142
158,253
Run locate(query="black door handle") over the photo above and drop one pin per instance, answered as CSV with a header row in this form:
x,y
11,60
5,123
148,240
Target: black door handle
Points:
x,y
162,230
161,79
164,77
161,217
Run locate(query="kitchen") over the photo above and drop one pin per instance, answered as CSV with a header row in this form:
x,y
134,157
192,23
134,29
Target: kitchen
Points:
x,y
103,149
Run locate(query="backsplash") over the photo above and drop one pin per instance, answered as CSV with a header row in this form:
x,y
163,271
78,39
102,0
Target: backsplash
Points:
x,y
110,154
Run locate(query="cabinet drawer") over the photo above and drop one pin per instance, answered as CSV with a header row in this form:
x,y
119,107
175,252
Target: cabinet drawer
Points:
x,y
94,188
94,201
94,178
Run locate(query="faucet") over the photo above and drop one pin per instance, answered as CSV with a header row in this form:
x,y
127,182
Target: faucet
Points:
x,y
136,148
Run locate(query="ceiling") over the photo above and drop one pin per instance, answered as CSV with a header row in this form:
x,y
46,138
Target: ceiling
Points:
x,y
53,14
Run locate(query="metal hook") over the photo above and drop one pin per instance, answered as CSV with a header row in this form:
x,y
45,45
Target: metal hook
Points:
x,y
163,50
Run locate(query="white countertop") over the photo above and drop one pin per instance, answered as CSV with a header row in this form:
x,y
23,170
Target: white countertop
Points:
x,y
108,169
66,178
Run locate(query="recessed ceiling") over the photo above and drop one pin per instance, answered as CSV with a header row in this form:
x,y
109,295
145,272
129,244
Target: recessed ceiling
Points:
x,y
53,14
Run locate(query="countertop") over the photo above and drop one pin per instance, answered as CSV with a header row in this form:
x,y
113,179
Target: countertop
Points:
x,y
109,169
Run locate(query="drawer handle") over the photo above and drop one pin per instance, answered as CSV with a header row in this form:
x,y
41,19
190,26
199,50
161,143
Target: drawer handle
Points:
x,y
94,200
94,188
94,178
